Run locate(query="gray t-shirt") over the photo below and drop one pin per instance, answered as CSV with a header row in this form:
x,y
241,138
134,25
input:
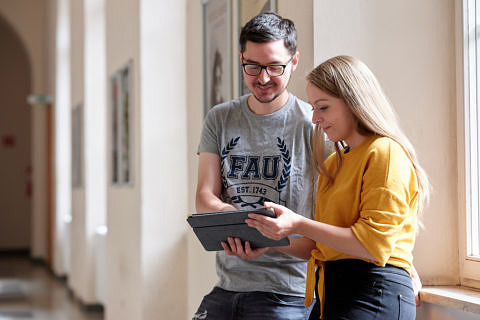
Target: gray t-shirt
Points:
x,y
263,158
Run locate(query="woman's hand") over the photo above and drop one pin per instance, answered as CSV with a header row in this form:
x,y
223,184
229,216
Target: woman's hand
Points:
x,y
274,228
234,247
417,285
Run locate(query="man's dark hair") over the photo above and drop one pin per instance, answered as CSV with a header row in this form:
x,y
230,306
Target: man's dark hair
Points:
x,y
267,27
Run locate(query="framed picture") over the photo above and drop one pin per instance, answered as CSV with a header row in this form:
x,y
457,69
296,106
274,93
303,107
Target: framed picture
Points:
x,y
121,125
217,52
247,9
77,146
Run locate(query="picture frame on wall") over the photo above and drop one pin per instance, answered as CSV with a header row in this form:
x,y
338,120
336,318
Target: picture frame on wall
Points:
x,y
247,9
217,52
121,94
77,146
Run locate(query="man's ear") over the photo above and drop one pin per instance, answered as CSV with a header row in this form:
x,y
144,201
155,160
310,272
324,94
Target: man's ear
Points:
x,y
295,59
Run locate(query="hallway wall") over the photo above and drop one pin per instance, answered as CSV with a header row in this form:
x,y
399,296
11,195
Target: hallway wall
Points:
x,y
146,246
164,180
201,271
15,141
145,218
30,26
89,112
124,213
80,281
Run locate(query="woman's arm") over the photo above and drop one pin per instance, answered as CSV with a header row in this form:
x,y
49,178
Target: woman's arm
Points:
x,y
287,222
338,238
299,247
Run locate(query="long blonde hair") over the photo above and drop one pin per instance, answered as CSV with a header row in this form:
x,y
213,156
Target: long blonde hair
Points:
x,y
352,81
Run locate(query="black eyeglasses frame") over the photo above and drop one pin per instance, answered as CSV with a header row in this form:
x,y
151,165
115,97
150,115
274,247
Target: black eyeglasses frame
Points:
x,y
266,66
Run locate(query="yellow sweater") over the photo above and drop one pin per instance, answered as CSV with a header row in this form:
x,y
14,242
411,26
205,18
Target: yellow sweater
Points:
x,y
375,193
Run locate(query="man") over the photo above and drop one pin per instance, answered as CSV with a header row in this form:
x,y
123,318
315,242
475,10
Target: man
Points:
x,y
254,149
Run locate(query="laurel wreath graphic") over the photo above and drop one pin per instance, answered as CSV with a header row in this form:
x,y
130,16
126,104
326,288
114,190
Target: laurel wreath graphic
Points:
x,y
259,202
282,182
225,151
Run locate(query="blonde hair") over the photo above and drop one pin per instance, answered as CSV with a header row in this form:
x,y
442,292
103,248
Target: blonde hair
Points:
x,y
352,81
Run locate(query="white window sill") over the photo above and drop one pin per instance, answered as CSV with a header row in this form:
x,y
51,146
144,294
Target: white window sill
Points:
x,y
455,297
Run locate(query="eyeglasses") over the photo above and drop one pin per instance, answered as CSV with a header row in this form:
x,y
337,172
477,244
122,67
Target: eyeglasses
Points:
x,y
273,70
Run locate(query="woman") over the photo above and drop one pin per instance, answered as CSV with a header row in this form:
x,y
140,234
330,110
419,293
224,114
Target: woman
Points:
x,y
371,192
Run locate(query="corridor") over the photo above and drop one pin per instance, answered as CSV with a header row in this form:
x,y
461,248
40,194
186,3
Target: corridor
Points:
x,y
29,291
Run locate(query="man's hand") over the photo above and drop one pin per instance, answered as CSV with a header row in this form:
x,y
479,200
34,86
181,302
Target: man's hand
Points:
x,y
234,247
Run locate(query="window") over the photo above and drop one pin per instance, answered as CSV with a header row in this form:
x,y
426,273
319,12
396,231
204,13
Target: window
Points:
x,y
470,266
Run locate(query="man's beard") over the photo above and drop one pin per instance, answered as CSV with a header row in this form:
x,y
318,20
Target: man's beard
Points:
x,y
269,100
275,96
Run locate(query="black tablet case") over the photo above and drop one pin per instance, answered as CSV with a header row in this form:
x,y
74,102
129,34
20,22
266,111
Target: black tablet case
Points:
x,y
214,227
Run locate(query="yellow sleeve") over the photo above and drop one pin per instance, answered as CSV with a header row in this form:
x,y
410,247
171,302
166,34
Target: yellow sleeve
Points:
x,y
389,188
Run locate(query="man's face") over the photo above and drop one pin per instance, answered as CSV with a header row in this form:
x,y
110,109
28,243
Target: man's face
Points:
x,y
264,87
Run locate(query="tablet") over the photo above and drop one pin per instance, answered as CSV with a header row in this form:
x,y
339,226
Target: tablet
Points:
x,y
212,228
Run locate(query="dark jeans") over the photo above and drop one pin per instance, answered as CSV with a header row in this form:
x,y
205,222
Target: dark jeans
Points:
x,y
358,290
228,305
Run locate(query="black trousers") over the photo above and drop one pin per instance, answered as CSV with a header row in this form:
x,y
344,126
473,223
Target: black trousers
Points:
x,y
358,290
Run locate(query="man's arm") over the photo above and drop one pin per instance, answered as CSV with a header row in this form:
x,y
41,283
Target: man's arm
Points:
x,y
209,184
209,188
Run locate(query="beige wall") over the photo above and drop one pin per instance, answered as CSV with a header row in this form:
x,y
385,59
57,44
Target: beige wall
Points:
x,y
201,270
88,84
123,282
146,245
300,12
30,26
163,158
15,84
77,279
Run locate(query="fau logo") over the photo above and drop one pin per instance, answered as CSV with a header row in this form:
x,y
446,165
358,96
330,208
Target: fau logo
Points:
x,y
253,167
250,180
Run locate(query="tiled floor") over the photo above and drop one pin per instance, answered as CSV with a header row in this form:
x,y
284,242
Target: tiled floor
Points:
x,y
29,292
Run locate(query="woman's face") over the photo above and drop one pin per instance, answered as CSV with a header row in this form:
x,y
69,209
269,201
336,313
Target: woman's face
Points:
x,y
333,115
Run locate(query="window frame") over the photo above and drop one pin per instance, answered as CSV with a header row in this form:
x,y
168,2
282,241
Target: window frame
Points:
x,y
468,95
